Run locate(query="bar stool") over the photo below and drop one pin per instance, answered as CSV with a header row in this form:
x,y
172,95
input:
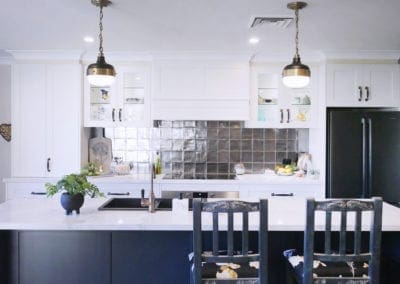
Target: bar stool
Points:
x,y
339,266
229,266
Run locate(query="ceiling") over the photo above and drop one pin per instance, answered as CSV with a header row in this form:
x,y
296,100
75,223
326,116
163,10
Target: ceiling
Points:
x,y
198,25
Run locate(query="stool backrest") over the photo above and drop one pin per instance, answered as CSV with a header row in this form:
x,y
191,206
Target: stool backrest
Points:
x,y
230,207
344,207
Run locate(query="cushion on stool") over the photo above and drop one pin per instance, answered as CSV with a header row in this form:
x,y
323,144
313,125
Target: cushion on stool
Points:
x,y
229,270
327,269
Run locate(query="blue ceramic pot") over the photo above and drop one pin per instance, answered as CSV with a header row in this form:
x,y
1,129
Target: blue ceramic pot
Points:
x,y
71,202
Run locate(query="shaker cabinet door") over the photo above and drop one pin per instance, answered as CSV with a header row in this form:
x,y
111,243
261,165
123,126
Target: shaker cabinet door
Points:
x,y
64,119
28,144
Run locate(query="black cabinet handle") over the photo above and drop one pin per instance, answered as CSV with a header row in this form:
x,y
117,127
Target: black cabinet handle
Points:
x,y
118,193
120,114
38,193
367,96
281,115
360,93
48,165
113,114
288,115
282,194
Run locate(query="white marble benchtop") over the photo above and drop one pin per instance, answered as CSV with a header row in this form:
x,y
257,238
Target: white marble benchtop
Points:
x,y
285,214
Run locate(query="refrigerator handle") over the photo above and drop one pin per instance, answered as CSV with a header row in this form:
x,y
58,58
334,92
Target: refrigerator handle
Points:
x,y
364,158
369,192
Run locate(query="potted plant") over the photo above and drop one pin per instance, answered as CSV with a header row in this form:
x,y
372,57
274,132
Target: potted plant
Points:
x,y
74,188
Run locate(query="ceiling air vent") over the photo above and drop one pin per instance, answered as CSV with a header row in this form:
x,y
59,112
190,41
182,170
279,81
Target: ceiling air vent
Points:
x,y
281,22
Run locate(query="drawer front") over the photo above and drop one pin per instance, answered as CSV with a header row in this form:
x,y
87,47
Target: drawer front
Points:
x,y
270,191
126,189
198,187
25,190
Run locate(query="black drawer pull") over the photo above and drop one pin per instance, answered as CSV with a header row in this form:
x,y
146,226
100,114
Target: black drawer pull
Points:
x,y
38,193
282,194
118,193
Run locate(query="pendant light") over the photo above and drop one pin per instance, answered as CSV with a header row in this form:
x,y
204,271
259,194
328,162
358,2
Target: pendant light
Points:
x,y
296,74
101,73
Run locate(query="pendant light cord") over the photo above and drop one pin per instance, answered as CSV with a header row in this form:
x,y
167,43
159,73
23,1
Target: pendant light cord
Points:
x,y
297,33
101,32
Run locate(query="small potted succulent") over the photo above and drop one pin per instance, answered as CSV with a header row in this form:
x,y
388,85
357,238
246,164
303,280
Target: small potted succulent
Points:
x,y
74,188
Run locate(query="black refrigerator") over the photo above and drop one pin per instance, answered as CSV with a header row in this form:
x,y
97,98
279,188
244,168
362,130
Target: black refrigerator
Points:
x,y
363,153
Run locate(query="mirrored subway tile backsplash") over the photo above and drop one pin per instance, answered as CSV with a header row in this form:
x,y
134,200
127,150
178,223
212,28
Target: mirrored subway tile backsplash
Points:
x,y
206,149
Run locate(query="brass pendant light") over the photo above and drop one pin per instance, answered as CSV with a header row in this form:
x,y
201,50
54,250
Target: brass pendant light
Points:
x,y
296,74
101,73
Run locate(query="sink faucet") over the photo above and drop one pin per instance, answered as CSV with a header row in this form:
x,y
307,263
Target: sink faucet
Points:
x,y
150,202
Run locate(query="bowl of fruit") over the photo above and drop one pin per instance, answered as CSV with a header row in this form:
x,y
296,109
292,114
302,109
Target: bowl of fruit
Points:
x,y
285,170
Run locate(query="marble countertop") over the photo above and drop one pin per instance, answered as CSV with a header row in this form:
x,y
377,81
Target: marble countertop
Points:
x,y
47,214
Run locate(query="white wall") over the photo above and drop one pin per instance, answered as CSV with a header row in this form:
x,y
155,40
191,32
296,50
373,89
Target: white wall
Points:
x,y
5,117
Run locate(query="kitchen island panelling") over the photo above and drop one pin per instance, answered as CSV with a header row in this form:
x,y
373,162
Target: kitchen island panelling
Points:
x,y
140,246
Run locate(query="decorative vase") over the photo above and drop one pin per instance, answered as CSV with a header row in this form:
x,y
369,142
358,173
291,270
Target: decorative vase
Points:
x,y
71,202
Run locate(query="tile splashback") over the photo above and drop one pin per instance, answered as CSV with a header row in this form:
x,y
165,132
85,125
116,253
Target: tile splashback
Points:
x,y
197,149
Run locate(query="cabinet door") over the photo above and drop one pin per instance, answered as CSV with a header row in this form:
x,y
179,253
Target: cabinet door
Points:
x,y
99,104
133,106
383,83
151,257
29,120
64,118
64,257
343,83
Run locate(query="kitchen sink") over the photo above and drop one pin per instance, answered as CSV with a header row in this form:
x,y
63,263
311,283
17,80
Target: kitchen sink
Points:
x,y
162,204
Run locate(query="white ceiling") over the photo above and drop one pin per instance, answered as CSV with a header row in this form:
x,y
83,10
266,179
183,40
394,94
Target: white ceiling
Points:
x,y
198,25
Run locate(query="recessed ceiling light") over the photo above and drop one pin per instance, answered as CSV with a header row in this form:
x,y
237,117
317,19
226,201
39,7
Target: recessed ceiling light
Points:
x,y
254,40
88,39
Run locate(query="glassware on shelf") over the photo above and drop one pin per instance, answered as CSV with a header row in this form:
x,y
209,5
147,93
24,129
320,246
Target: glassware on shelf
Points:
x,y
119,167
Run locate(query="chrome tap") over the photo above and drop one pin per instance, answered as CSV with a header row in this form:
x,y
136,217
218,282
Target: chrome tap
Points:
x,y
150,202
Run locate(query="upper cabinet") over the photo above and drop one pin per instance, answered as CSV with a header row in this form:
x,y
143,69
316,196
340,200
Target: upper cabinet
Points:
x,y
125,103
46,119
275,106
200,90
363,85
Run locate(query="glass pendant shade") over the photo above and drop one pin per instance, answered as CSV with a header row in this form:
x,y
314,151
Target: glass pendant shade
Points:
x,y
296,74
100,74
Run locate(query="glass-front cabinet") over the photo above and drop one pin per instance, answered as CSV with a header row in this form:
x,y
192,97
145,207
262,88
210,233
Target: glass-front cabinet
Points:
x,y
125,103
276,106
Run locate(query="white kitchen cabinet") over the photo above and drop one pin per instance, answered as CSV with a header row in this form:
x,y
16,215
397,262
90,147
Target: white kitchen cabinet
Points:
x,y
275,106
125,103
363,85
200,90
46,119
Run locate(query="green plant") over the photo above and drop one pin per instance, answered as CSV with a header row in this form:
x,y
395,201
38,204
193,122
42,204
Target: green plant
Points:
x,y
91,169
73,184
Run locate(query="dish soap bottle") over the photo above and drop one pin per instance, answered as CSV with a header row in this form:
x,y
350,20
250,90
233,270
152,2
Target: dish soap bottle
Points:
x,y
158,164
